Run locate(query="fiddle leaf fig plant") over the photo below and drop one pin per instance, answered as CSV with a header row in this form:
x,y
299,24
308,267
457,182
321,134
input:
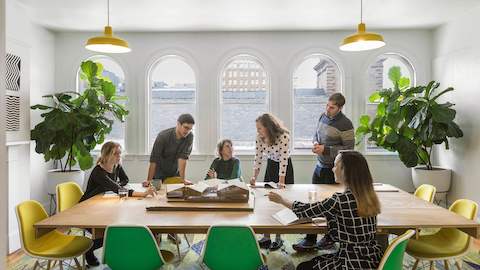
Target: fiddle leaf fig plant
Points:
x,y
410,120
74,123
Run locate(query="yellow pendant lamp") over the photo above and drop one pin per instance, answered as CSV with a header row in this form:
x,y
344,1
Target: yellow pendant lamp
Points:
x,y
362,40
108,43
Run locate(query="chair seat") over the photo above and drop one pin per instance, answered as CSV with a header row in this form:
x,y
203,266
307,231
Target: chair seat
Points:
x,y
58,245
445,243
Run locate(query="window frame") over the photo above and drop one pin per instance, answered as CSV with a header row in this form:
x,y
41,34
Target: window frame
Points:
x,y
252,56
151,67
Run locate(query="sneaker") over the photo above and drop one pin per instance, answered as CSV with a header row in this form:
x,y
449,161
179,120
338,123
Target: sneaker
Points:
x,y
275,245
91,260
304,245
264,243
325,243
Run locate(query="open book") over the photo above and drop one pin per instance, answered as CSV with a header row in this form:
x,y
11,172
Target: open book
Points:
x,y
287,217
265,185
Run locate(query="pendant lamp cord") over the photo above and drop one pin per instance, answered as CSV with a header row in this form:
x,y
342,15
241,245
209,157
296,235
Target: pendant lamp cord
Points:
x,y
361,11
108,12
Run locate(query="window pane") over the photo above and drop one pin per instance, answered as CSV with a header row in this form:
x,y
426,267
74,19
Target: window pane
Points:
x,y
378,79
242,103
314,80
114,72
173,92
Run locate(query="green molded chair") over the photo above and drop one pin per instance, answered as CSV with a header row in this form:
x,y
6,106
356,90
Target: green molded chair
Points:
x,y
232,247
425,192
393,256
448,243
121,254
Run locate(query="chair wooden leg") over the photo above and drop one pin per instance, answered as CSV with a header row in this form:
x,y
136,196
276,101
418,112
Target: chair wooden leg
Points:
x,y
432,265
36,265
415,265
446,264
77,264
61,265
186,239
458,265
48,265
178,246
83,262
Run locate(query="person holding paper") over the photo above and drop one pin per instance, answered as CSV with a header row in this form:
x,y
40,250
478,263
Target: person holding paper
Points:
x,y
334,132
225,166
108,175
351,216
171,151
273,141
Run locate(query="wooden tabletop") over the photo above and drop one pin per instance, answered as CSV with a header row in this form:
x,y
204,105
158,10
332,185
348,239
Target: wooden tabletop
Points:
x,y
400,211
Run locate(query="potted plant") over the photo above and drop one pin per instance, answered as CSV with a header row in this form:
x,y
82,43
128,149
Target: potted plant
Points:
x,y
410,121
74,123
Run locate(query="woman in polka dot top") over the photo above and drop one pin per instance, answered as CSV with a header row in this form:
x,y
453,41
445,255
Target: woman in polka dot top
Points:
x,y
273,141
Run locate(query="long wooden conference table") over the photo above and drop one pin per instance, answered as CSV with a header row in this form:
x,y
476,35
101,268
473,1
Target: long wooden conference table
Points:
x,y
400,211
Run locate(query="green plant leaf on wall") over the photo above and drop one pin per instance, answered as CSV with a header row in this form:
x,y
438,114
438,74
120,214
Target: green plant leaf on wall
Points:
x,y
394,74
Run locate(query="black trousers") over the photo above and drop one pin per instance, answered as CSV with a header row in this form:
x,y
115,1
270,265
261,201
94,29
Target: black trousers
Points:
x,y
272,171
97,243
321,176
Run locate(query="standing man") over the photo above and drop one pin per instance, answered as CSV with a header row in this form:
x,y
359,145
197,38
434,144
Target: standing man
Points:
x,y
334,133
171,151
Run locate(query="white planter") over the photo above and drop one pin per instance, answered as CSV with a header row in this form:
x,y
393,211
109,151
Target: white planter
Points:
x,y
56,177
438,177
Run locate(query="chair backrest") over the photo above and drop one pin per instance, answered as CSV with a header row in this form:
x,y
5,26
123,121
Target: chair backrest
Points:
x,y
173,180
120,253
68,194
231,247
426,192
29,213
393,256
464,207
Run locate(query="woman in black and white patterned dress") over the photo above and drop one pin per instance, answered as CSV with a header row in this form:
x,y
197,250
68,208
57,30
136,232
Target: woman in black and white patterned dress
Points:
x,y
352,213
273,142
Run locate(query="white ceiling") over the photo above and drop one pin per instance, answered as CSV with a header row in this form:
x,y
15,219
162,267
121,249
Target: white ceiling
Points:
x,y
228,15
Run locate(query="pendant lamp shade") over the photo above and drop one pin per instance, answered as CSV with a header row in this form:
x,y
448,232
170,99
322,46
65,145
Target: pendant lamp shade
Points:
x,y
107,43
362,40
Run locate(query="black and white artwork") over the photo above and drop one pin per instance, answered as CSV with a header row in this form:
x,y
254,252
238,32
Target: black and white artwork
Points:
x,y
14,63
13,113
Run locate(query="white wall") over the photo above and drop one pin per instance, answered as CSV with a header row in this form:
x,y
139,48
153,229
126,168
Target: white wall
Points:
x,y
279,51
28,170
456,63
3,148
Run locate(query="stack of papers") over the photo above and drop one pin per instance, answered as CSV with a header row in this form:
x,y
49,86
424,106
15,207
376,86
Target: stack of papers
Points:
x,y
287,217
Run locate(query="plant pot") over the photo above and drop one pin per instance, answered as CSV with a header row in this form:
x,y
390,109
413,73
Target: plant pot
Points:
x,y
56,177
440,178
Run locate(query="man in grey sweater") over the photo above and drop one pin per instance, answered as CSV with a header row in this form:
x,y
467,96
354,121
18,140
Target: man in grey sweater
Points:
x,y
334,133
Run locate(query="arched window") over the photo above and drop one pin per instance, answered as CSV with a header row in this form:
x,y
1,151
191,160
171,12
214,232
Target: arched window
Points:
x,y
172,92
242,101
314,80
113,71
378,79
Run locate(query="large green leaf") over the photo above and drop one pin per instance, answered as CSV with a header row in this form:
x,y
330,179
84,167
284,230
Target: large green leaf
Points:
x,y
442,114
394,74
364,120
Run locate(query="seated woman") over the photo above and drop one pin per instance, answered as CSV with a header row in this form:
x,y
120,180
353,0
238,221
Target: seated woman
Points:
x,y
351,215
225,166
107,175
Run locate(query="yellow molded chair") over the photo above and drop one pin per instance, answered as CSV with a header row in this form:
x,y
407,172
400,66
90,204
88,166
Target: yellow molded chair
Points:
x,y
52,246
68,195
393,257
447,243
425,192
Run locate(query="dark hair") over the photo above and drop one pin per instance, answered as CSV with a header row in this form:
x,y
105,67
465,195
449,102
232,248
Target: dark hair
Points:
x,y
220,146
358,178
338,99
186,118
274,126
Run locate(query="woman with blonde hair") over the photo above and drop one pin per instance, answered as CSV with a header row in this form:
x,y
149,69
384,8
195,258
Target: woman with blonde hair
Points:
x,y
273,141
351,216
225,166
108,175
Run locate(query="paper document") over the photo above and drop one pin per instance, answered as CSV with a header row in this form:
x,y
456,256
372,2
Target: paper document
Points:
x,y
287,217
265,185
